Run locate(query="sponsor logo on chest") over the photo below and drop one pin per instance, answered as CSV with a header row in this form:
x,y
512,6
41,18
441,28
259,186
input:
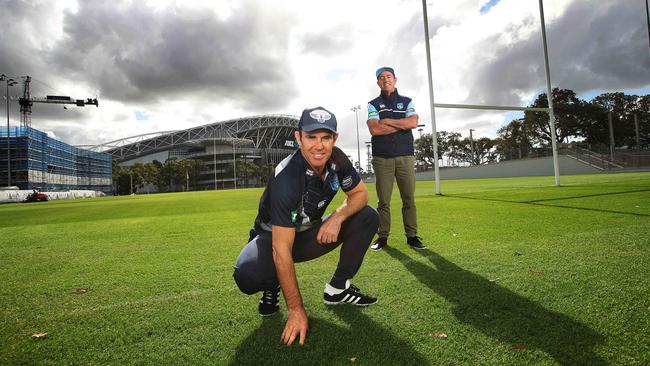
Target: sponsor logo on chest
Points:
x,y
334,184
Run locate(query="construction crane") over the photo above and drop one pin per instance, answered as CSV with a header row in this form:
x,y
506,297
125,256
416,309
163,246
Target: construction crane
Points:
x,y
26,102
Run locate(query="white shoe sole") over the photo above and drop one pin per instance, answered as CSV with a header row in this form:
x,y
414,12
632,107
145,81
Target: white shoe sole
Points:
x,y
265,315
348,303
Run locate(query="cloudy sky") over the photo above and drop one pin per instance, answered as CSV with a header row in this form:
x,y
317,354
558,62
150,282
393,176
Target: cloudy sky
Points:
x,y
169,65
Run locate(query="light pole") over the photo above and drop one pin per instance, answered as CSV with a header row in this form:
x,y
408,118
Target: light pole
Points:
x,y
368,157
636,125
9,82
471,145
355,110
420,129
234,164
214,159
434,131
612,143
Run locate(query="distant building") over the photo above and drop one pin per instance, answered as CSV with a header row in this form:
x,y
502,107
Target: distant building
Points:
x,y
260,140
52,165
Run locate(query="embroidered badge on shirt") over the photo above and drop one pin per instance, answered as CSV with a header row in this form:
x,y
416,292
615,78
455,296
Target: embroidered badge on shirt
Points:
x,y
400,105
334,184
347,182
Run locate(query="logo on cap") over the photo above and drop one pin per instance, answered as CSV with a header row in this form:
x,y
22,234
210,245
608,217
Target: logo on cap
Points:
x,y
320,115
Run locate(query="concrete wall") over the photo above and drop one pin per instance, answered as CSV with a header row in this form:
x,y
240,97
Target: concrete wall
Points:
x,y
161,156
513,168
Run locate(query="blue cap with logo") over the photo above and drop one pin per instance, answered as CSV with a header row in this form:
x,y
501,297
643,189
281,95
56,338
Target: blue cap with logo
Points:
x,y
384,68
318,118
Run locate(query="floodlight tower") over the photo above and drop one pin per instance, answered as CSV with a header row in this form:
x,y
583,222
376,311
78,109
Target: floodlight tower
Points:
x,y
471,146
9,82
355,110
369,157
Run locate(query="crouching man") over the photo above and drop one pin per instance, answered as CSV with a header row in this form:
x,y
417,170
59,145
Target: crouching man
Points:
x,y
289,226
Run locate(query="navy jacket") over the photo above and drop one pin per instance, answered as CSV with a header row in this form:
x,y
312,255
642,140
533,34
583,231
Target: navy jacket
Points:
x,y
394,106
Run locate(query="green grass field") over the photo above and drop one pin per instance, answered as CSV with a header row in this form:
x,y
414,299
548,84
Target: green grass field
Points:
x,y
518,271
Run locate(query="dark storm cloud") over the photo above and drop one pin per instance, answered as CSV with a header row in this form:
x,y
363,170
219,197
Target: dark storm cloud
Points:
x,y
17,56
610,49
132,53
603,47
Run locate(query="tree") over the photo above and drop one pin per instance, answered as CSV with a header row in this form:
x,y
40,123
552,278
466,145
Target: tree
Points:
x,y
246,169
567,115
121,179
265,172
172,173
622,107
484,151
153,175
642,110
424,150
512,141
424,146
446,141
138,174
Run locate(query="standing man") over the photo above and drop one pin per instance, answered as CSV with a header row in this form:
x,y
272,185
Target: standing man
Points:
x,y
289,226
391,117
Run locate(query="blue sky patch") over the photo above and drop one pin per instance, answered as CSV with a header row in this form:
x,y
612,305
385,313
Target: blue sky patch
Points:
x,y
487,6
141,116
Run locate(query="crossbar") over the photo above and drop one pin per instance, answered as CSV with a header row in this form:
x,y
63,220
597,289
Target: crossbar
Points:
x,y
490,107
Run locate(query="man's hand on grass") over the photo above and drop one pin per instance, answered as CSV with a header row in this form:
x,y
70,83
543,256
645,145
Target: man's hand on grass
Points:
x,y
297,324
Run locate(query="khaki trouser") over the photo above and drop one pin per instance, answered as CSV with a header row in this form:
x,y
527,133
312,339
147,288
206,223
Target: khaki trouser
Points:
x,y
400,169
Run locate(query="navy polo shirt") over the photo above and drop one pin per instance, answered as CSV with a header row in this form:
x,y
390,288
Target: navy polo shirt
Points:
x,y
295,195
395,106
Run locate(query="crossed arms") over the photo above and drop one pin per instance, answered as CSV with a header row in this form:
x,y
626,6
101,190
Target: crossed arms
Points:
x,y
380,127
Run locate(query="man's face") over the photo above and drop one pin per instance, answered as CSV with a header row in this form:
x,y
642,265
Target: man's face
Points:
x,y
316,147
386,82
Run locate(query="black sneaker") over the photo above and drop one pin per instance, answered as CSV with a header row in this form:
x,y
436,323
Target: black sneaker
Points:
x,y
415,242
269,303
351,295
379,244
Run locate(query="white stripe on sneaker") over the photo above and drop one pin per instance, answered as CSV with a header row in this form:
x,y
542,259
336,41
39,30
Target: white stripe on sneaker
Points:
x,y
345,298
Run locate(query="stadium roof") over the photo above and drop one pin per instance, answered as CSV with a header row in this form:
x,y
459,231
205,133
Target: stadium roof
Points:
x,y
268,131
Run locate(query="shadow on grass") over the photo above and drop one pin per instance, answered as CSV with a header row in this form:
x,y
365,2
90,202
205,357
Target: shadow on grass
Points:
x,y
501,314
588,196
540,202
328,344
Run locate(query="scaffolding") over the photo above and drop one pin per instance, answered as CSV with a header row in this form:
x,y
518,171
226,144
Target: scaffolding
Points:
x,y
52,165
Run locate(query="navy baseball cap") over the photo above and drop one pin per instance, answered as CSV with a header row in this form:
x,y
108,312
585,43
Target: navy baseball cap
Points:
x,y
318,118
382,69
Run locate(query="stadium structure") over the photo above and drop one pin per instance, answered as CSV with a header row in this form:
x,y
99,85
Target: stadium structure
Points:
x,y
218,146
37,160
